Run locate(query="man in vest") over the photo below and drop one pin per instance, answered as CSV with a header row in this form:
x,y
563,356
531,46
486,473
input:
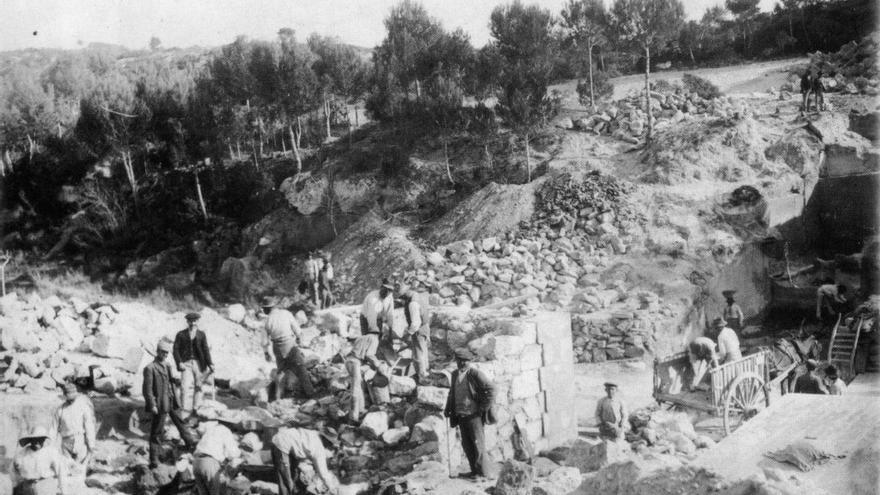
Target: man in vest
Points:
x,y
732,312
161,402
193,359
469,406
418,328
283,336
701,353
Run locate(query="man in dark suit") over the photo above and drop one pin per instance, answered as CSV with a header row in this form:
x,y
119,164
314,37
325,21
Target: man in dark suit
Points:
x,y
161,401
469,406
193,360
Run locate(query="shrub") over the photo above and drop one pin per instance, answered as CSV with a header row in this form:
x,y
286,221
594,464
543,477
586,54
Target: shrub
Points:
x,y
703,88
601,86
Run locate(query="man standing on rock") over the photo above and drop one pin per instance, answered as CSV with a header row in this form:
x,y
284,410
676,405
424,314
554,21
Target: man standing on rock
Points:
x,y
418,327
76,429
611,414
38,469
283,337
216,446
732,312
469,406
161,401
290,446
193,359
728,342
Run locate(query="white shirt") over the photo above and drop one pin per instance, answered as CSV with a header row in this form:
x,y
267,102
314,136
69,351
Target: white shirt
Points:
x,y
77,418
218,442
282,326
728,345
415,315
375,307
298,442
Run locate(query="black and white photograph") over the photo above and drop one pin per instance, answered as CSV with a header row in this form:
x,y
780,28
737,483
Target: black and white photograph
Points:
x,y
440,247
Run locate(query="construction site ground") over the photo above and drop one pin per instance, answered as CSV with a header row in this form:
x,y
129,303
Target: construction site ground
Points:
x,y
844,425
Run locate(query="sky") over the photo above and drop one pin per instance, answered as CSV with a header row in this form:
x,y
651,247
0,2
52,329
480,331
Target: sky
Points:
x,y
184,23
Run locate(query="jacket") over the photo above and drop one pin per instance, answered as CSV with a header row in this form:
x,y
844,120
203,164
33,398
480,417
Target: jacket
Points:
x,y
481,390
158,389
199,351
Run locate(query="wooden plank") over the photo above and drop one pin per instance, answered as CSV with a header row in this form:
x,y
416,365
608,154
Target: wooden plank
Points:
x,y
686,402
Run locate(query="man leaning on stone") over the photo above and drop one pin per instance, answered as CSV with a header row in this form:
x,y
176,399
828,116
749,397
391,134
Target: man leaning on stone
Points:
x,y
469,406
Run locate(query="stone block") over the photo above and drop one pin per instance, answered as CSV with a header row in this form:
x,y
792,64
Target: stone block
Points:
x,y
375,424
525,329
532,357
395,435
236,312
401,386
429,429
562,481
589,456
526,384
434,397
516,478
508,345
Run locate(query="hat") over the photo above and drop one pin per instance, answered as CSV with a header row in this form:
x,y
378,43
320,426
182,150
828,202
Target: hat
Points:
x,y
463,354
163,345
812,364
192,316
719,322
38,432
69,388
728,293
269,302
610,385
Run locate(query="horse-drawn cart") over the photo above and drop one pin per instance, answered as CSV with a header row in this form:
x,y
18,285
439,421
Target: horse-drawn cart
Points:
x,y
738,390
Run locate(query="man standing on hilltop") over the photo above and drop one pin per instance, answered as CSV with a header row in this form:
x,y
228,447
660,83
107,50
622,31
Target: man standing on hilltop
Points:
x,y
193,359
283,337
161,402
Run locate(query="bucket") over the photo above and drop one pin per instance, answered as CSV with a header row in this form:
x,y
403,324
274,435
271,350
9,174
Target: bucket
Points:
x,y
379,391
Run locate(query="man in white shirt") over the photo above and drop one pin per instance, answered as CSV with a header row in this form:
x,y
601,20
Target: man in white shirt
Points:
x,y
290,446
76,429
38,469
217,446
282,337
728,342
377,309
418,328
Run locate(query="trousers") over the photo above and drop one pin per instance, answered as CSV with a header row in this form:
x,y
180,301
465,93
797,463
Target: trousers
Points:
x,y
191,378
281,460
45,486
473,442
419,344
206,471
157,427
292,361
358,402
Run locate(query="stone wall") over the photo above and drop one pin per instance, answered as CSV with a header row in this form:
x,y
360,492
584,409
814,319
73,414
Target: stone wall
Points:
x,y
607,336
530,361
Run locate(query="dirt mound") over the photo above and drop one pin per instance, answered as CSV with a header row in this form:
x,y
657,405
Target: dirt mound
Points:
x,y
370,249
493,210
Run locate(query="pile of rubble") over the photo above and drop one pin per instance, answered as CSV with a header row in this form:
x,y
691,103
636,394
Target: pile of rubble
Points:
x,y
661,432
850,70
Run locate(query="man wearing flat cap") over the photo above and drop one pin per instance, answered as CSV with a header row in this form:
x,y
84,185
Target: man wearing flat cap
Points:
x,y
193,359
161,402
470,406
76,429
611,414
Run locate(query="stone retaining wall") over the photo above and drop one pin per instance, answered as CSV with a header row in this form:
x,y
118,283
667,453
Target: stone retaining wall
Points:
x,y
606,336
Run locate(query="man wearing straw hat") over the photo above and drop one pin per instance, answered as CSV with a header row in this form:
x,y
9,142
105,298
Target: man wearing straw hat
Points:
x,y
38,469
161,401
283,336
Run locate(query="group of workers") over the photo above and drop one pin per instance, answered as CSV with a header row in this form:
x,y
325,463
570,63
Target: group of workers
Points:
x,y
704,353
811,84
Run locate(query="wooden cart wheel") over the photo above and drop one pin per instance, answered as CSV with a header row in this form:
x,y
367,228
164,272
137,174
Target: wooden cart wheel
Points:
x,y
746,396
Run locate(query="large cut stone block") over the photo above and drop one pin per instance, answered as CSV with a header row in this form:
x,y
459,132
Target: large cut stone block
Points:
x,y
432,396
524,385
532,357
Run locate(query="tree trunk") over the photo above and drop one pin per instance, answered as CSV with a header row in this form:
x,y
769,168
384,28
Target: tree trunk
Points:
x,y
238,148
299,132
31,146
602,60
59,130
488,156
327,116
691,51
446,160
528,159
129,173
356,123
200,196
254,153
283,144
418,90
294,140
231,151
590,63
648,94
804,26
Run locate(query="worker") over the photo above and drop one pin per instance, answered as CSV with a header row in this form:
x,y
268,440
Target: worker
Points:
x,y
701,353
312,273
283,337
362,352
161,402
830,299
806,86
611,414
809,383
193,359
732,312
76,429
470,406
38,469
377,316
290,446
728,342
217,446
833,383
418,328
818,90
325,281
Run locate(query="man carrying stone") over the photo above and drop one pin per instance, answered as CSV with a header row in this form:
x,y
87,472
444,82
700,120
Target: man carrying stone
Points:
x,y
161,402
728,342
611,415
418,327
701,353
216,446
469,406
38,469
193,359
76,429
283,336
290,446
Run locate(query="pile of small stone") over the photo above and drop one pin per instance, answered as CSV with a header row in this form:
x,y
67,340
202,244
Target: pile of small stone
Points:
x,y
661,431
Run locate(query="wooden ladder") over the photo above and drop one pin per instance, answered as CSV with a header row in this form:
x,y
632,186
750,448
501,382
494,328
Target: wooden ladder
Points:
x,y
842,348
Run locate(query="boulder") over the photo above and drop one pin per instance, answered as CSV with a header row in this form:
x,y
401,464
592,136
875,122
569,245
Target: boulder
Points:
x,y
401,386
395,435
589,456
251,442
434,397
375,424
236,312
430,429
544,466
562,481
261,487
515,478
113,341
435,259
149,481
